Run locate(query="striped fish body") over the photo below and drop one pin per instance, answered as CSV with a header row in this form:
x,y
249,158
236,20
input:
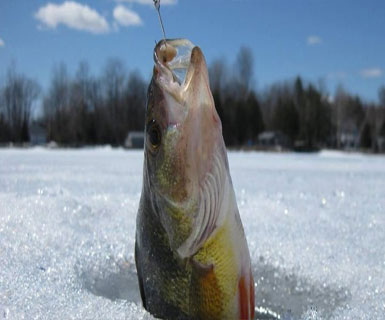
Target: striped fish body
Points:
x,y
191,252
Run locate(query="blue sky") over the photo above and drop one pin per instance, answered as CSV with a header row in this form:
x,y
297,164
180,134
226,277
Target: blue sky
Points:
x,y
338,41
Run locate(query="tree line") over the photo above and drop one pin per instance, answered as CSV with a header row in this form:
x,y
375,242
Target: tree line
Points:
x,y
76,110
84,109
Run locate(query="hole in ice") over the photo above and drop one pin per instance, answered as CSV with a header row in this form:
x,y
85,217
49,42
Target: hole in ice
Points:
x,y
115,280
278,295
282,295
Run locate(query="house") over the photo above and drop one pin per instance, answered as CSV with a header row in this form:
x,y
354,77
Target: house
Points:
x,y
381,144
348,135
349,140
134,140
273,139
37,134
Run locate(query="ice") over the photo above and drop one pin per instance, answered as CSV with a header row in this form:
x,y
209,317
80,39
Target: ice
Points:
x,y
315,226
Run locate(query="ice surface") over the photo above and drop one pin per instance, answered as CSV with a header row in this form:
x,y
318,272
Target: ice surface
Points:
x,y
315,226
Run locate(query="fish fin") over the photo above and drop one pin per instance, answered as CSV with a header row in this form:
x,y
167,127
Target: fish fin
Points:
x,y
140,279
252,296
243,299
246,297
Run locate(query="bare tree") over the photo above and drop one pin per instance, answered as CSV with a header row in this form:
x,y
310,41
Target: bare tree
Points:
x,y
337,113
114,80
18,96
381,112
82,105
56,105
135,102
381,96
218,72
244,69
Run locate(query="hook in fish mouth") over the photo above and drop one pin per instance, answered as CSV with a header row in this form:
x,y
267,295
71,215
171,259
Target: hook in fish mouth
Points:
x,y
173,58
179,67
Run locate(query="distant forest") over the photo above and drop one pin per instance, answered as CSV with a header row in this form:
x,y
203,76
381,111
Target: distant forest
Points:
x,y
83,109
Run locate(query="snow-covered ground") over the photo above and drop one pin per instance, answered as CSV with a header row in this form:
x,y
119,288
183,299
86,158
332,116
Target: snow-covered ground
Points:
x,y
315,226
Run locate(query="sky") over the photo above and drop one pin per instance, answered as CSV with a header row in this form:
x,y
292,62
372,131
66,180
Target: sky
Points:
x,y
335,42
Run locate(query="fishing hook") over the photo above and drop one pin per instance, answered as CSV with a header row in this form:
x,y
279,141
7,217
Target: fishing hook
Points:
x,y
157,7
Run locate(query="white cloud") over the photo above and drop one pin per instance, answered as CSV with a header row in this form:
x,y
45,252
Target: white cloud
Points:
x,y
2,43
313,40
371,73
126,17
73,15
151,2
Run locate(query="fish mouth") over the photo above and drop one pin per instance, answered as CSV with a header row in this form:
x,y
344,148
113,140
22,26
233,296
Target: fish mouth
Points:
x,y
175,65
174,57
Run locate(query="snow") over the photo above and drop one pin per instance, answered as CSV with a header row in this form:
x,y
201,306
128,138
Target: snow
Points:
x,y
314,222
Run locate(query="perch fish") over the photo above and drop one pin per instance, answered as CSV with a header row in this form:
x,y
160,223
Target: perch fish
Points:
x,y
191,253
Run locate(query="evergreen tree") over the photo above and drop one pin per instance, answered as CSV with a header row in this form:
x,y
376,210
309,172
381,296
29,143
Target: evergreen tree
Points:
x,y
366,137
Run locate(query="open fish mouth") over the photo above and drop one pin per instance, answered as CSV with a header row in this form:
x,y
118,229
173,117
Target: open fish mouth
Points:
x,y
180,72
173,58
173,68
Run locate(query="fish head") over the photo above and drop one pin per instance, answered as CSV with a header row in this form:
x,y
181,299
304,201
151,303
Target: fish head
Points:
x,y
183,133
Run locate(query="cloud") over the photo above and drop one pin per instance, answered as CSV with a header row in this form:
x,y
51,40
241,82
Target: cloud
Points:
x,y
313,40
371,73
73,15
150,2
2,43
126,17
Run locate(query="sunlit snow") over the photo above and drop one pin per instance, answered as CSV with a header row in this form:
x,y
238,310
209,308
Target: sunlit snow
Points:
x,y
315,226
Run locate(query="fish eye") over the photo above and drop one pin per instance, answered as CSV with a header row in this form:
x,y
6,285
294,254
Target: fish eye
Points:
x,y
154,134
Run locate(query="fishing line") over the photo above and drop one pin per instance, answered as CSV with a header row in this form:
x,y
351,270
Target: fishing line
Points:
x,y
157,7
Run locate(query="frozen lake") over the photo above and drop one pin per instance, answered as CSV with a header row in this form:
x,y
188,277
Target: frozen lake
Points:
x,y
315,226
